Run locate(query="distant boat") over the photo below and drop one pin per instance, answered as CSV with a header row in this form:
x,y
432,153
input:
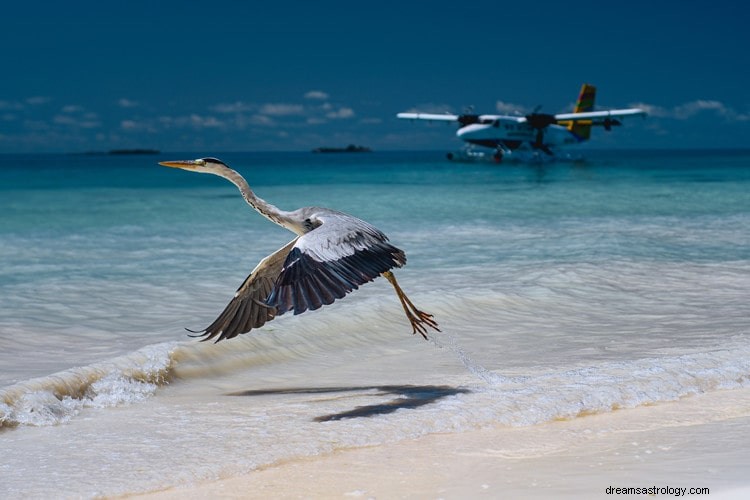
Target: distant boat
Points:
x,y
351,148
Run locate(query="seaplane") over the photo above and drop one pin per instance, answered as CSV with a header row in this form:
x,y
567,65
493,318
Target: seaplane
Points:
x,y
535,136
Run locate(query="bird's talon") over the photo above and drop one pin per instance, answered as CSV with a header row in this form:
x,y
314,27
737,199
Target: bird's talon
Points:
x,y
418,320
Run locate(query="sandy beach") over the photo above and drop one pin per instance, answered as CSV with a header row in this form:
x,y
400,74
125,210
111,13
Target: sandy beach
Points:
x,y
690,443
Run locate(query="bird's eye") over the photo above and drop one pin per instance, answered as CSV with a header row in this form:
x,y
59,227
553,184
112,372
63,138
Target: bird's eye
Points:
x,y
201,162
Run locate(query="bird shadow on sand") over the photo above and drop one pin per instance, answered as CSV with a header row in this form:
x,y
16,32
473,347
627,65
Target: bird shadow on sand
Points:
x,y
407,397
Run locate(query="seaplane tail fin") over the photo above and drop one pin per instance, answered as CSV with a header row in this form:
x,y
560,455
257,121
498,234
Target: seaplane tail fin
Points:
x,y
585,102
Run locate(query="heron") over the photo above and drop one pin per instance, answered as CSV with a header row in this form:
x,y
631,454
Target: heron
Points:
x,y
332,254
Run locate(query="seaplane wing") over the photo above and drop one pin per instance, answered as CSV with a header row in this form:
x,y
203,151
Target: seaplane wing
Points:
x,y
464,119
599,115
594,116
446,117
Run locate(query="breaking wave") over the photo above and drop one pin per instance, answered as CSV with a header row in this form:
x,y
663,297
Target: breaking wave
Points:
x,y
490,398
57,398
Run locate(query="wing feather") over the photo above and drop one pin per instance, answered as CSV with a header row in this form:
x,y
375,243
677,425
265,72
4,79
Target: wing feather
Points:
x,y
248,309
328,292
254,317
234,322
339,255
313,297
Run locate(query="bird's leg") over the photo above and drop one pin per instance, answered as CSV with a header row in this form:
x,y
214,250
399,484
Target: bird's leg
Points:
x,y
417,318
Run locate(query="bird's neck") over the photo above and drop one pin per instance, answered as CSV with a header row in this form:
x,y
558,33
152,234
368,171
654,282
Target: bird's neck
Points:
x,y
267,210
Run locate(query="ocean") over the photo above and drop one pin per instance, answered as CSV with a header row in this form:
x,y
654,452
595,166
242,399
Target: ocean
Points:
x,y
562,290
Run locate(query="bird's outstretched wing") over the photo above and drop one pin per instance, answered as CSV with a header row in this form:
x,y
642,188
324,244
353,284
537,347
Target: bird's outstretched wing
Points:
x,y
313,270
248,308
340,254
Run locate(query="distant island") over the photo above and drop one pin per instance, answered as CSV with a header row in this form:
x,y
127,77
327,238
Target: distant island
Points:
x,y
351,148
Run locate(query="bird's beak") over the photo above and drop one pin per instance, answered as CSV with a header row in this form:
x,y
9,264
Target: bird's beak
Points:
x,y
183,164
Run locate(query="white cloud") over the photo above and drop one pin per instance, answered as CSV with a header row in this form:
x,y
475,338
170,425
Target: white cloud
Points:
x,y
127,103
341,113
282,109
190,121
37,100
431,107
316,94
690,109
72,108
10,105
259,120
199,121
509,108
273,114
64,120
148,125
72,121
651,109
243,121
36,125
132,125
233,107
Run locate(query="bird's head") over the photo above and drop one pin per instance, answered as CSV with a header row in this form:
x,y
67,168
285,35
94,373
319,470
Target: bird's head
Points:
x,y
201,165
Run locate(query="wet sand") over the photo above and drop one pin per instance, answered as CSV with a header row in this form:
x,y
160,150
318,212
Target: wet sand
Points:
x,y
697,442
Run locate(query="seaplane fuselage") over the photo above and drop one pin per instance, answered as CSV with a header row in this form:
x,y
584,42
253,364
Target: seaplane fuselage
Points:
x,y
510,133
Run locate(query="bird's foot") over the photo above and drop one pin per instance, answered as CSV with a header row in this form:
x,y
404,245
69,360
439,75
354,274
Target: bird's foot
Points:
x,y
419,319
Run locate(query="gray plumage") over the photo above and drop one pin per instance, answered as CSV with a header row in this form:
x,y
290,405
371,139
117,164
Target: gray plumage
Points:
x,y
333,254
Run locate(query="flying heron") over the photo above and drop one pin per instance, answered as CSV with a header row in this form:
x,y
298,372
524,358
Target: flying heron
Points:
x,y
332,254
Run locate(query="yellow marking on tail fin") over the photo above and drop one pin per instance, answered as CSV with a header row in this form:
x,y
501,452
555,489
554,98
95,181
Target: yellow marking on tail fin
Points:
x,y
585,102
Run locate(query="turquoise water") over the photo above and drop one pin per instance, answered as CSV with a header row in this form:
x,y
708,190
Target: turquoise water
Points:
x,y
561,289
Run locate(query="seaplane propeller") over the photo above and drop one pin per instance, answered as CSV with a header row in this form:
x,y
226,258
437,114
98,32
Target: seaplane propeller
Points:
x,y
468,116
540,121
608,123
467,119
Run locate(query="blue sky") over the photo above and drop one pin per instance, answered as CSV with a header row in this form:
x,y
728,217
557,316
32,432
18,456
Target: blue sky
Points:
x,y
290,76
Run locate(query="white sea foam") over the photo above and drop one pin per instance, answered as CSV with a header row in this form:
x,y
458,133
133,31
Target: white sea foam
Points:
x,y
603,387
59,397
450,342
615,385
